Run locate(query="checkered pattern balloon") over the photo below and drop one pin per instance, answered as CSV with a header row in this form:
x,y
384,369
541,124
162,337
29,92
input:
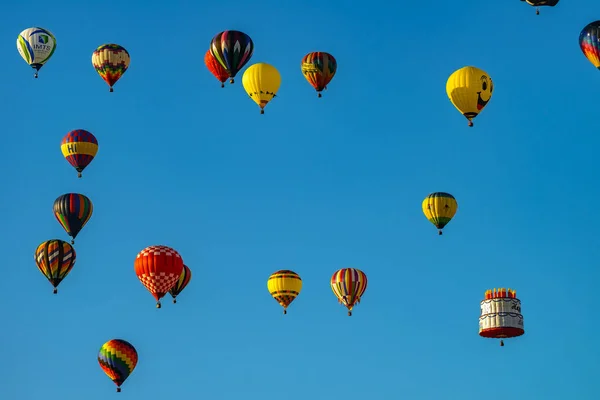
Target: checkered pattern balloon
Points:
x,y
158,268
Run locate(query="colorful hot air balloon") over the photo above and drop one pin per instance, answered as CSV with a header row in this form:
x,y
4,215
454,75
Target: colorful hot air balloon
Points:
x,y
184,279
215,68
501,315
469,89
118,359
538,3
159,269
36,46
73,211
110,61
589,41
79,147
318,69
233,50
261,81
284,285
349,284
55,259
439,208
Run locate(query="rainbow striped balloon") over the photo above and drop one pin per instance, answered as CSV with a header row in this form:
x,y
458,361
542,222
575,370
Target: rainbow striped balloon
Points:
x,y
118,359
73,211
55,259
349,284
590,43
184,279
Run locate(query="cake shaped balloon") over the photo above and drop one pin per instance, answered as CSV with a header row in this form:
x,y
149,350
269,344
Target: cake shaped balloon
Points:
x,y
501,315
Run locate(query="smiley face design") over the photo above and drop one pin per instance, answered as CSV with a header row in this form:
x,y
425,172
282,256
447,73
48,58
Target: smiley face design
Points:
x,y
487,87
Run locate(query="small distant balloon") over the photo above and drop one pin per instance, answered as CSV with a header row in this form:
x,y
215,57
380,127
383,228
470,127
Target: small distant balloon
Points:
x,y
79,147
319,69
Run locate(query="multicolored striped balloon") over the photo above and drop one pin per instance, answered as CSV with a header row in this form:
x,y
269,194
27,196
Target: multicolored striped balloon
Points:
x,y
55,259
589,41
110,62
184,279
158,268
233,50
349,284
79,147
318,68
215,68
118,359
284,285
73,211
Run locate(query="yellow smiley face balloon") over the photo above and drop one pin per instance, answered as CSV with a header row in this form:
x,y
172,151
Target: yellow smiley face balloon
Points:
x,y
469,89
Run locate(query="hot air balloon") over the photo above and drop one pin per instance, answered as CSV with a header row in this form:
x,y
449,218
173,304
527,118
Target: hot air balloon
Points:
x,y
184,279
79,147
36,46
501,315
118,359
284,285
261,81
73,211
469,89
215,68
349,284
158,268
110,61
233,50
589,41
538,3
318,69
439,208
55,259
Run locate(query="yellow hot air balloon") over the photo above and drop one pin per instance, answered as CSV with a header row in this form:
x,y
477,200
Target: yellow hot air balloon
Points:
x,y
284,286
439,208
469,89
261,81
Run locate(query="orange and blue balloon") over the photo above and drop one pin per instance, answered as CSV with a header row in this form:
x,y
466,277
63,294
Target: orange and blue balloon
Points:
x,y
118,359
589,41
73,211
55,259
79,147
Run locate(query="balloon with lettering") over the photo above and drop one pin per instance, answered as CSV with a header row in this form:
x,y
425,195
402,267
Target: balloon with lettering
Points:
x,y
111,62
284,285
233,50
36,46
539,3
469,89
215,68
318,69
73,211
158,268
118,359
589,41
261,81
79,147
501,316
184,279
439,208
348,285
55,259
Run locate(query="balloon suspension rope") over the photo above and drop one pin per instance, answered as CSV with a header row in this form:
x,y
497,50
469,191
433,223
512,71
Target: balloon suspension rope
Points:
x,y
174,300
111,89
118,389
79,174
439,232
158,305
35,75
320,95
501,342
284,311
537,11
262,111
55,291
222,85
471,124
349,313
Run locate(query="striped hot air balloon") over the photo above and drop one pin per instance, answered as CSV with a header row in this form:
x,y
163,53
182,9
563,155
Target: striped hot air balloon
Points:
x,y
184,279
73,211
55,259
348,285
118,359
284,285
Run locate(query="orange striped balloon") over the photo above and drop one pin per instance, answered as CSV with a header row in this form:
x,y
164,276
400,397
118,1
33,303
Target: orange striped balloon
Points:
x,y
349,284
55,259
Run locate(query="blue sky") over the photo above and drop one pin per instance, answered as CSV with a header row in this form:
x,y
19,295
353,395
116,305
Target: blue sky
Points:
x,y
313,185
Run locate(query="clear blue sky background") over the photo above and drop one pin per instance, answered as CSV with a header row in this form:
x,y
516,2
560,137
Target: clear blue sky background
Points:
x,y
313,185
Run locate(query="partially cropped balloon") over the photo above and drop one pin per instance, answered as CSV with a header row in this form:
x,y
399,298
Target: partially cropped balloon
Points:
x,y
79,147
469,89
118,359
182,282
589,41
319,69
233,50
55,259
36,46
110,61
215,68
540,3
261,81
